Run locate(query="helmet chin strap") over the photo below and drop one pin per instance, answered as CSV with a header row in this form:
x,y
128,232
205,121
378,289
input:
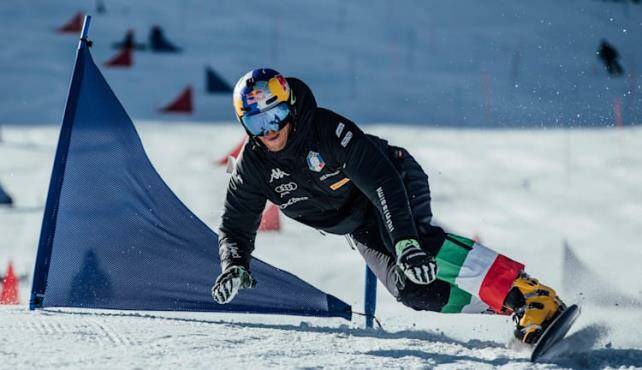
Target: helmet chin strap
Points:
x,y
255,140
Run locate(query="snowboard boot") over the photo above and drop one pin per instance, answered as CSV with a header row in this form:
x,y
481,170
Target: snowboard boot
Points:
x,y
534,307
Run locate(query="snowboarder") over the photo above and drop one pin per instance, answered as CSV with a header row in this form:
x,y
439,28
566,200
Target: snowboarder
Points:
x,y
609,57
323,171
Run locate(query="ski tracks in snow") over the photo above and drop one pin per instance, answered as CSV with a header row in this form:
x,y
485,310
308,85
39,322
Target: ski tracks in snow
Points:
x,y
90,339
82,339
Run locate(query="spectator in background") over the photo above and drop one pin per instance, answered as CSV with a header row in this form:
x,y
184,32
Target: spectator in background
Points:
x,y
159,43
609,57
129,42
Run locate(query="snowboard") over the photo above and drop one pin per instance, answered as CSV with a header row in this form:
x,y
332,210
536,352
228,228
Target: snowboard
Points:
x,y
555,332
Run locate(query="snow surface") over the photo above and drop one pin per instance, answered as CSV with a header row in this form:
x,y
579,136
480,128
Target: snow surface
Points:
x,y
522,192
456,62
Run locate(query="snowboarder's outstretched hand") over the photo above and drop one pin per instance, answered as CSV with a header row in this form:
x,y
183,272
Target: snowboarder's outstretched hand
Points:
x,y
230,282
414,263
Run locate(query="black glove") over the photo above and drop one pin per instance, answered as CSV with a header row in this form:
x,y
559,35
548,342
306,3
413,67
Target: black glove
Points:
x,y
230,282
414,263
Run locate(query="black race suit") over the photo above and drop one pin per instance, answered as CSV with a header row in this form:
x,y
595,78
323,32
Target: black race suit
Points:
x,y
333,177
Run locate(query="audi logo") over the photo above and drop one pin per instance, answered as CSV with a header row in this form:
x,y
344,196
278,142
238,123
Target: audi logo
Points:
x,y
290,186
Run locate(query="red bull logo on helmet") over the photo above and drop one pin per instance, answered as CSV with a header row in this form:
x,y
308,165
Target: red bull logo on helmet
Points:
x,y
254,97
260,90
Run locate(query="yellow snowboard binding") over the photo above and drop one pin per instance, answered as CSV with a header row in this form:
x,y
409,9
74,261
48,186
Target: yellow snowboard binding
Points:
x,y
534,307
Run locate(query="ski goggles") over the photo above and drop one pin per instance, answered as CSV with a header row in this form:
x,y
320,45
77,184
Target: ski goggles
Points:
x,y
273,119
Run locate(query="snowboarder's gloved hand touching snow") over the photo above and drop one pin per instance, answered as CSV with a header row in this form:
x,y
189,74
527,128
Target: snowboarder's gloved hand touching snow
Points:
x,y
414,263
230,282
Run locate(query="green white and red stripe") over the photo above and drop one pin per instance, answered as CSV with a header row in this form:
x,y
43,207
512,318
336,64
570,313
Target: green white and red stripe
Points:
x,y
462,302
477,270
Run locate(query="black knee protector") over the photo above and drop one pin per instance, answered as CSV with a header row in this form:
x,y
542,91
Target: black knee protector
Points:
x,y
431,238
431,297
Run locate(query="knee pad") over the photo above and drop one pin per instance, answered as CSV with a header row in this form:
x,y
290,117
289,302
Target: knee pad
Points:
x,y
431,238
431,297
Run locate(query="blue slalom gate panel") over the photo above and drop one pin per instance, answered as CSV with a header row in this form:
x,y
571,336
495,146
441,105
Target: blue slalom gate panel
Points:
x,y
215,84
4,197
115,236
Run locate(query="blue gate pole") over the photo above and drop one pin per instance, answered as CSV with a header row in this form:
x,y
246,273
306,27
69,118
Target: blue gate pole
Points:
x,y
370,302
49,218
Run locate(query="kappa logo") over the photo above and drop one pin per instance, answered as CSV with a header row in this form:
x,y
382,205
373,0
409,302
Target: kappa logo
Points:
x,y
285,189
315,161
277,174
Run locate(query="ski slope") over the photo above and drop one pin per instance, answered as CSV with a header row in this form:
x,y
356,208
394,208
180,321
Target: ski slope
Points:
x,y
522,192
457,63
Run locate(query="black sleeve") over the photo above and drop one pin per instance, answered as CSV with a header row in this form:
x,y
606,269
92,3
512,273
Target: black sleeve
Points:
x,y
244,205
370,170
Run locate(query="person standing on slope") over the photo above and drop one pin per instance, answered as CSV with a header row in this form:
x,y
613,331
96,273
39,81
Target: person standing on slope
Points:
x,y
322,170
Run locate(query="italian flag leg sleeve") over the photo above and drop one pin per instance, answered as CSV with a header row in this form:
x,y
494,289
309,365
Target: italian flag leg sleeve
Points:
x,y
477,270
462,302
